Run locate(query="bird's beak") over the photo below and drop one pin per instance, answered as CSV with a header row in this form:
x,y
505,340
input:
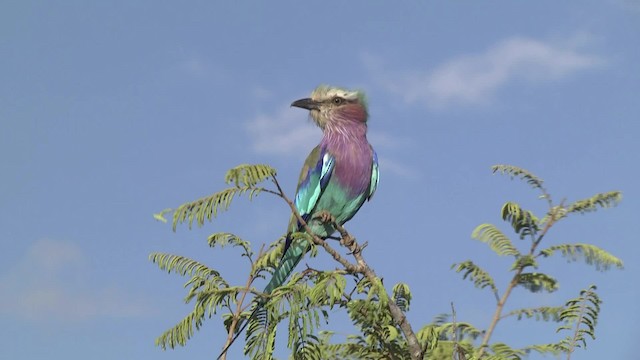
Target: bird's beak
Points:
x,y
307,103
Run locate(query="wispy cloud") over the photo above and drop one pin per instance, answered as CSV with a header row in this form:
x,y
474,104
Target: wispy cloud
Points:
x,y
283,133
475,78
49,283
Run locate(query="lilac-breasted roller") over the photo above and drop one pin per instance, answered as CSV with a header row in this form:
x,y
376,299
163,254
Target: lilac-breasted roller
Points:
x,y
337,177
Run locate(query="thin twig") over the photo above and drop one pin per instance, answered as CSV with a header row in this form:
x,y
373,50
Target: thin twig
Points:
x,y
512,284
455,332
362,267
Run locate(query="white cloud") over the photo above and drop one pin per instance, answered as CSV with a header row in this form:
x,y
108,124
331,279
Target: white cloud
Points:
x,y
474,79
284,133
49,283
287,134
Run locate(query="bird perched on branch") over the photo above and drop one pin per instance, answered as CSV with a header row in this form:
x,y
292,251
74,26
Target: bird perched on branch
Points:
x,y
337,177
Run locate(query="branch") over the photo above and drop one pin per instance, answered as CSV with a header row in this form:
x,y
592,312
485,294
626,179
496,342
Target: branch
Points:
x,y
361,267
239,309
350,267
497,316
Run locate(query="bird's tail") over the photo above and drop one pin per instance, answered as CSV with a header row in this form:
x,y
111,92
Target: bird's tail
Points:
x,y
291,257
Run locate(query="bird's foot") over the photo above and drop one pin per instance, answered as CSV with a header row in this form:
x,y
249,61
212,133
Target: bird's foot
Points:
x,y
325,217
350,243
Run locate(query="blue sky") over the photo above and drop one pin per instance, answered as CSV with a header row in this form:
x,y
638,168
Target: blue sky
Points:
x,y
112,111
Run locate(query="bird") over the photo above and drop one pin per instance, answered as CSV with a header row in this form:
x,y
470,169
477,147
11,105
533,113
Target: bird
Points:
x,y
337,177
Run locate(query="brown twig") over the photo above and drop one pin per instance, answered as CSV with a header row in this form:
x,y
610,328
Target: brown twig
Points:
x,y
497,316
239,309
362,267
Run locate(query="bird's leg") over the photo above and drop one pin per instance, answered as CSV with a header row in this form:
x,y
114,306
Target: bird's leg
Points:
x,y
324,216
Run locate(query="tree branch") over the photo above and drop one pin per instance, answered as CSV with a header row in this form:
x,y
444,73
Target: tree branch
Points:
x,y
361,267
497,316
239,309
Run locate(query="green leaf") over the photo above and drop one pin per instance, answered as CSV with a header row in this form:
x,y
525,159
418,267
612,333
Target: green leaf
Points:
x,y
182,331
523,222
523,174
243,177
328,289
535,282
480,278
523,262
223,239
544,349
590,254
503,352
182,265
604,200
401,295
247,175
580,317
496,240
160,216
545,313
205,208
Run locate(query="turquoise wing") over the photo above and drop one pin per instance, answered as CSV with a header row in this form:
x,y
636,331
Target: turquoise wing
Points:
x,y
375,176
315,176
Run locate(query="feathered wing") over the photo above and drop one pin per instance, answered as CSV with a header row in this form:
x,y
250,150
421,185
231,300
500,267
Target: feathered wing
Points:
x,y
314,177
375,176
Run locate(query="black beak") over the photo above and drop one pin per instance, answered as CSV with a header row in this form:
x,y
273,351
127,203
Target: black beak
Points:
x,y
307,103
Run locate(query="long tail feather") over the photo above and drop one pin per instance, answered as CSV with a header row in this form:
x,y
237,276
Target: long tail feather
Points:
x,y
294,253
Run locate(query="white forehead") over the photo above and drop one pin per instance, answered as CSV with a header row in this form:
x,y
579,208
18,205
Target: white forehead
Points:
x,y
323,92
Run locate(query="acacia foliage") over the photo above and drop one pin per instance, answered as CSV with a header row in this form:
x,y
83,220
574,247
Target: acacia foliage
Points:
x,y
303,304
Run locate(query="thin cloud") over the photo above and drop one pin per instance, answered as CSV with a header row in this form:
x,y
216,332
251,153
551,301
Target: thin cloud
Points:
x,y
48,283
475,79
287,134
284,133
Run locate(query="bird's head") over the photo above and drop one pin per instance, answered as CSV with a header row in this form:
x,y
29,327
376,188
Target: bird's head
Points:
x,y
333,106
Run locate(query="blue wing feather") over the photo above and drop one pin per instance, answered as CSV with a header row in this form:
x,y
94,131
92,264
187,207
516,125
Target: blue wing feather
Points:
x,y
313,181
375,176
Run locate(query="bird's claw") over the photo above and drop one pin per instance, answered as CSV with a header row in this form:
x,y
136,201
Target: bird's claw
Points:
x,y
324,216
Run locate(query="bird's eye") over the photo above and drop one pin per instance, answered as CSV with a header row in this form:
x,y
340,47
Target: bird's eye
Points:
x,y
337,100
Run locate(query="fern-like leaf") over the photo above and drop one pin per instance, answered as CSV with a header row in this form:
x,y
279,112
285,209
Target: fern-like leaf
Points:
x,y
243,177
182,265
401,295
261,334
464,330
503,351
523,221
545,313
544,349
328,289
207,208
604,200
535,282
590,254
247,175
481,279
523,262
223,239
307,348
523,174
496,240
580,316
183,331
